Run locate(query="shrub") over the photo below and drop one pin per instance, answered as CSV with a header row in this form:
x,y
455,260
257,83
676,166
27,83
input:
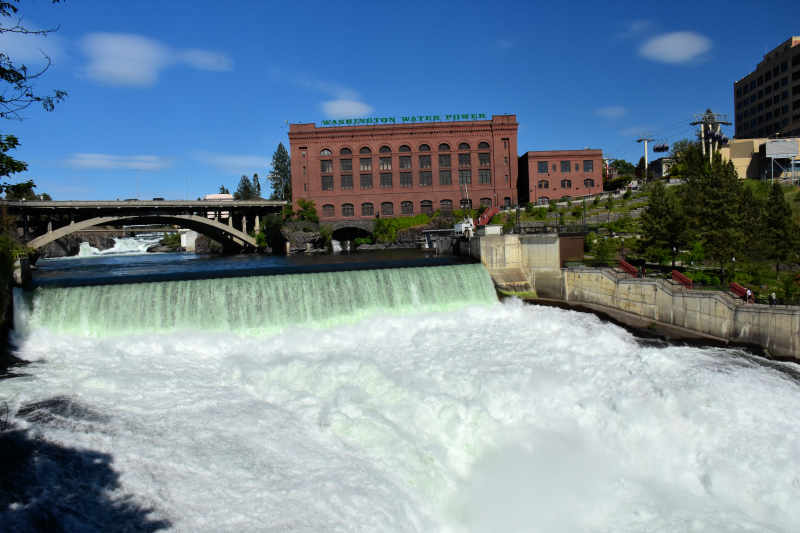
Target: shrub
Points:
x,y
386,228
172,240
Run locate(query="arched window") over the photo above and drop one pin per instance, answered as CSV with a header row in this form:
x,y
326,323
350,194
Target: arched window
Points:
x,y
367,209
347,210
566,184
463,146
507,202
444,147
424,148
446,205
406,208
328,210
544,184
487,202
365,150
483,145
324,151
426,206
404,148
588,183
543,200
345,151
384,149
387,209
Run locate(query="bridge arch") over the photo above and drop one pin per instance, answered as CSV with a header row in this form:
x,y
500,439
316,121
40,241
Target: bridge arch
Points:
x,y
230,237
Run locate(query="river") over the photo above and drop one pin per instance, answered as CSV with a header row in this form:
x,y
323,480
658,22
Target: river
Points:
x,y
392,399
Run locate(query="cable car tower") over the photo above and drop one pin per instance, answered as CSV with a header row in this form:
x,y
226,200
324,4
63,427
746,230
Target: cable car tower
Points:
x,y
710,134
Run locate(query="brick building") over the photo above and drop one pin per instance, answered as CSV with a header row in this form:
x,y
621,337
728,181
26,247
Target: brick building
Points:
x,y
357,172
553,174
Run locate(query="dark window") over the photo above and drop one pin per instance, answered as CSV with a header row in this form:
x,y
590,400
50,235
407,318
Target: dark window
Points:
x,y
588,183
365,163
387,209
405,148
346,164
345,151
444,147
327,183
784,66
328,210
424,148
424,161
385,149
796,60
486,202
541,166
426,206
406,208
446,205
325,151
796,76
405,161
566,184
444,161
507,202
347,182
543,200
405,179
365,150
554,167
463,146
386,180
463,160
445,178
366,181
484,177
483,160
784,81
588,165
367,209
385,163
426,178
565,166
348,210
483,145
326,165
464,176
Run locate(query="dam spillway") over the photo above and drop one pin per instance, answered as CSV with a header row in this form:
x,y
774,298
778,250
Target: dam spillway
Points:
x,y
407,400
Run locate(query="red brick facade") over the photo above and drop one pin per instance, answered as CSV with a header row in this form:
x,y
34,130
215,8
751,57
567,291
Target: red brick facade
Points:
x,y
549,175
356,172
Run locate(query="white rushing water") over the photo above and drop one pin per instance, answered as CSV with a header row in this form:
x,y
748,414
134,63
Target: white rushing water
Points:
x,y
489,417
123,245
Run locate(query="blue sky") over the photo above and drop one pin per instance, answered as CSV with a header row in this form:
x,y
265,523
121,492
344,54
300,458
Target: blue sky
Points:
x,y
174,98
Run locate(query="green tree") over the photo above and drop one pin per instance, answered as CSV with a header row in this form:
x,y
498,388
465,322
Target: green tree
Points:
x,y
257,185
223,190
306,210
752,210
246,190
781,231
19,93
623,168
640,169
663,224
281,175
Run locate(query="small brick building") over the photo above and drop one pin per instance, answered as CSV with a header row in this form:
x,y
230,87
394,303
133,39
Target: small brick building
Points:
x,y
356,172
553,174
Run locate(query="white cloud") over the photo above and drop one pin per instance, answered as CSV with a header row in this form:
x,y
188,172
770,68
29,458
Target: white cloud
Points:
x,y
612,111
113,162
676,47
235,163
30,48
345,108
136,61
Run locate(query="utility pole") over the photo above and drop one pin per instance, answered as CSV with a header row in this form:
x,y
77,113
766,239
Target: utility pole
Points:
x,y
645,140
711,137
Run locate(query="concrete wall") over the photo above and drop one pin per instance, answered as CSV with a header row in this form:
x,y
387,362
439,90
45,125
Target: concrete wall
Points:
x,y
776,328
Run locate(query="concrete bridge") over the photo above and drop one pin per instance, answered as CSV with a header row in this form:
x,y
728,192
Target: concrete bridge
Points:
x,y
228,222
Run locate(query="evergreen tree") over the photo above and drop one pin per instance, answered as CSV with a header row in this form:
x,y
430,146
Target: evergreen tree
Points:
x,y
781,231
223,190
663,224
257,185
753,218
640,169
281,175
246,190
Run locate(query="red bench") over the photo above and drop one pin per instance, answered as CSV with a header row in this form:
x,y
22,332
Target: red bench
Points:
x,y
680,278
629,268
738,290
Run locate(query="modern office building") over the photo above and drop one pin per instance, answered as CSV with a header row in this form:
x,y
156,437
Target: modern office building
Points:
x,y
767,100
549,175
398,166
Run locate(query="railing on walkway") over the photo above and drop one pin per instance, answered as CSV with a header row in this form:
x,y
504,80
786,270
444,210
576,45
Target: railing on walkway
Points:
x,y
487,216
629,268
